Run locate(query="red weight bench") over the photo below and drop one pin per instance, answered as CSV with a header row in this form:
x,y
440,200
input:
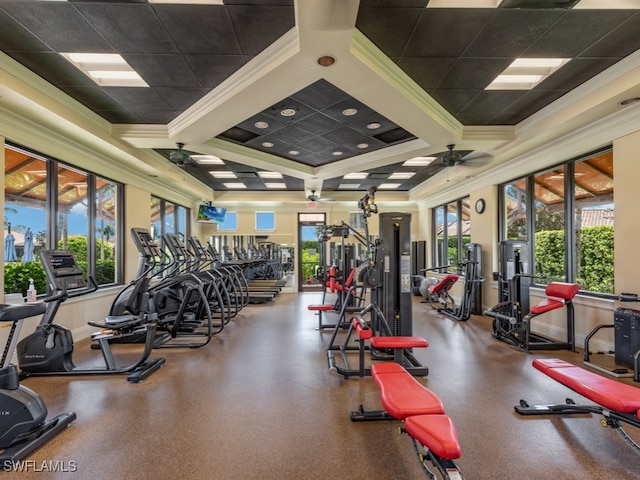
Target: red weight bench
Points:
x,y
422,411
617,402
400,345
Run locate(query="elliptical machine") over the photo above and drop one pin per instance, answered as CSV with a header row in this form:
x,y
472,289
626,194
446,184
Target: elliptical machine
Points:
x,y
23,423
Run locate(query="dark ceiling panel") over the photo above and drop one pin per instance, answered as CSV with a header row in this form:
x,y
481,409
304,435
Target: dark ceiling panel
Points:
x,y
60,25
211,70
492,101
575,73
199,29
168,70
445,32
473,73
129,27
427,72
576,32
257,27
620,42
508,33
14,37
388,28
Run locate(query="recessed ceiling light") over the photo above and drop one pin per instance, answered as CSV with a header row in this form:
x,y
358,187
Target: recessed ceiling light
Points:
x,y
355,176
261,125
362,145
418,161
294,152
267,144
106,69
526,73
389,186
401,175
275,185
235,185
326,61
348,112
373,125
337,153
225,174
265,174
207,159
348,186
288,112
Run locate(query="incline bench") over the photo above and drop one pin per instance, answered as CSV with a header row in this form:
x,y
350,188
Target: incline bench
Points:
x,y
400,345
617,402
421,410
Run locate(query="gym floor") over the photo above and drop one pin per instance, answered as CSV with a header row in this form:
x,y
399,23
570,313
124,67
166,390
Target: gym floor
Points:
x,y
259,403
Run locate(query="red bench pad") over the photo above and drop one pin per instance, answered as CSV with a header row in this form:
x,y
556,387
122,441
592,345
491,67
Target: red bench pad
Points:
x,y
446,283
437,433
402,395
607,392
321,308
546,305
398,342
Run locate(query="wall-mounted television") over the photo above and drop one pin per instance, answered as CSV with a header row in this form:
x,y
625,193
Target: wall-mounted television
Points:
x,y
211,214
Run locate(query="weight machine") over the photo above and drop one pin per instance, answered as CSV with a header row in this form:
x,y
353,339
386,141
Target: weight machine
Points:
x,y
387,273
437,292
512,314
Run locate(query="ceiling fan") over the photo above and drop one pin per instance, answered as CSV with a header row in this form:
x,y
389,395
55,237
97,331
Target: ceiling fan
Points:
x,y
180,157
312,197
451,158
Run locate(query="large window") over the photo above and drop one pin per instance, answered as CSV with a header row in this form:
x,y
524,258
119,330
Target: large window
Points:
x,y
52,205
452,230
168,217
571,222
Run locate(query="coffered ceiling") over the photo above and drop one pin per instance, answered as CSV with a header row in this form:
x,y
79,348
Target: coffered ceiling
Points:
x,y
315,90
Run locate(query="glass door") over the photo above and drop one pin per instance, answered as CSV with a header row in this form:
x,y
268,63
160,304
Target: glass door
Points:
x,y
310,257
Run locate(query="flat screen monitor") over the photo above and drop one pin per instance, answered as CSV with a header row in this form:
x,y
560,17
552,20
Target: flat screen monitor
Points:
x,y
211,214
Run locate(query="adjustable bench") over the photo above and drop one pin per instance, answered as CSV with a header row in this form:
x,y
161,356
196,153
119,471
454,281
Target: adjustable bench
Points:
x,y
400,345
422,411
617,402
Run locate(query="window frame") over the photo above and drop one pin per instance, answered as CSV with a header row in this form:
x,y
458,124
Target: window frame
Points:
x,y
51,209
569,207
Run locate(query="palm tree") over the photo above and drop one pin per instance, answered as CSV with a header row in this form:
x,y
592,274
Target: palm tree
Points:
x,y
106,232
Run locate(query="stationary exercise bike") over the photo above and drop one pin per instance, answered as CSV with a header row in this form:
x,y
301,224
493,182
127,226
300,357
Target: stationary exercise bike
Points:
x,y
49,350
23,415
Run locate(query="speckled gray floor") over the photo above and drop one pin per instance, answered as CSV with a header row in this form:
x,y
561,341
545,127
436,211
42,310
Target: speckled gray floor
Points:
x,y
259,403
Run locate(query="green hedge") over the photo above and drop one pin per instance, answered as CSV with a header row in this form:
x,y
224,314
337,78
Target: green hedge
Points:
x,y
594,249
17,274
